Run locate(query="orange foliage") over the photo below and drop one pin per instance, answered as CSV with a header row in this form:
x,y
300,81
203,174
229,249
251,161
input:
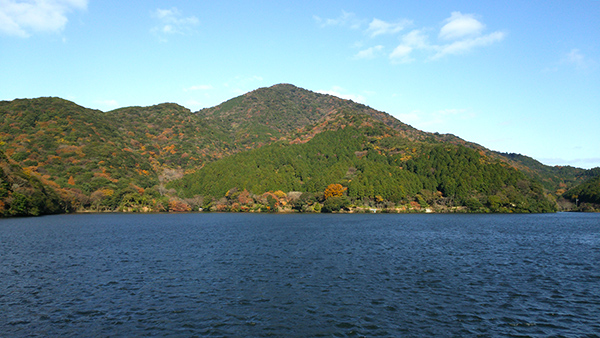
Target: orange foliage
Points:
x,y
179,206
244,197
143,172
280,194
140,190
71,180
106,175
265,198
334,190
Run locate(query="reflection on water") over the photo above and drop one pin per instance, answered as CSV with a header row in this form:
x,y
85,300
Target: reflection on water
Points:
x,y
300,275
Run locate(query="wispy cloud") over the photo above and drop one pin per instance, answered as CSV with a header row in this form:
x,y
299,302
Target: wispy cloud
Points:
x,y
463,46
198,87
460,34
171,21
339,92
380,27
577,59
369,53
574,59
401,54
415,40
23,18
346,19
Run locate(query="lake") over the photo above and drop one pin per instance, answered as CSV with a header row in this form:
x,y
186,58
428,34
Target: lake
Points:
x,y
300,275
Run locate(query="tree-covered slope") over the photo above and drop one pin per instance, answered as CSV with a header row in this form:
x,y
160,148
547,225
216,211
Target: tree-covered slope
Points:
x,y
77,150
586,195
24,195
553,178
373,164
278,112
282,137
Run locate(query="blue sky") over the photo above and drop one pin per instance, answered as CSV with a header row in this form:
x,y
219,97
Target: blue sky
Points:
x,y
513,76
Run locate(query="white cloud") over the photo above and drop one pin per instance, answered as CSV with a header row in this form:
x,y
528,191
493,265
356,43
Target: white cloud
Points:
x,y
459,34
379,27
346,19
338,91
460,25
462,46
416,39
23,18
401,54
172,21
462,28
369,53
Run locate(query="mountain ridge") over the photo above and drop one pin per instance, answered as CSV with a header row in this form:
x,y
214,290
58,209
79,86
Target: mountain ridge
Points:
x,y
100,159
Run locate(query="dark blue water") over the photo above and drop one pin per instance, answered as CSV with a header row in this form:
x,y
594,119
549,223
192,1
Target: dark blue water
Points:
x,y
246,275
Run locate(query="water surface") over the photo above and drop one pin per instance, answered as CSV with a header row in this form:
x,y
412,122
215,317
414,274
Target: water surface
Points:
x,y
257,275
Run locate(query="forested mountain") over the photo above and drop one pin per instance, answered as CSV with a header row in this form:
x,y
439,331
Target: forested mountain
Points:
x,y
261,146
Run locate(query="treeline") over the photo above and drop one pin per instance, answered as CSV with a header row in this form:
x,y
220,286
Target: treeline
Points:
x,y
464,177
373,170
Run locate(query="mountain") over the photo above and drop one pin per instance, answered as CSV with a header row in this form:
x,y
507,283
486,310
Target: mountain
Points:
x,y
282,138
281,110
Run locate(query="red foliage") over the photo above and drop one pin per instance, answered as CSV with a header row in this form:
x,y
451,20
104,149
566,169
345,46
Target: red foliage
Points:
x,y
179,206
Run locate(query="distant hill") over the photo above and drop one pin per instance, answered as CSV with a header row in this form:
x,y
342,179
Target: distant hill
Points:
x,y
282,138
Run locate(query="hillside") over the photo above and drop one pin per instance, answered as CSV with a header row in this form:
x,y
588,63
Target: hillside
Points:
x,y
376,168
275,137
586,196
24,195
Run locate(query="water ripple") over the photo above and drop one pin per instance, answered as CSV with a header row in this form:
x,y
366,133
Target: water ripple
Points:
x,y
224,275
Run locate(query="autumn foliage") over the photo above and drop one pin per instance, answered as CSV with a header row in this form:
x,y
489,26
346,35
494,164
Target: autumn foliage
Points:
x,y
179,206
334,190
